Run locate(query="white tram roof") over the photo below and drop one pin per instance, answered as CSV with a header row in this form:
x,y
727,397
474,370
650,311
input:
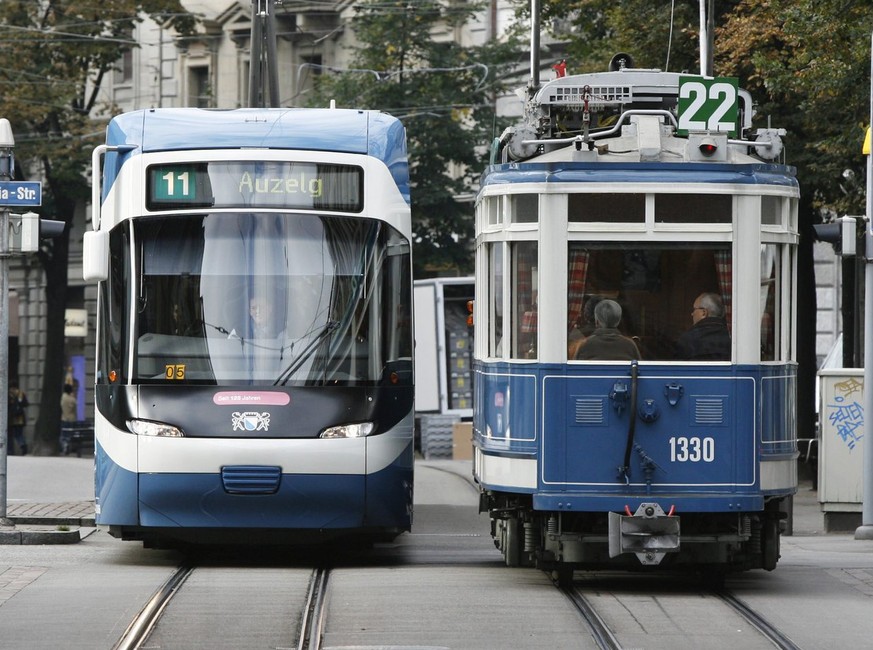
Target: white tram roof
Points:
x,y
316,129
353,131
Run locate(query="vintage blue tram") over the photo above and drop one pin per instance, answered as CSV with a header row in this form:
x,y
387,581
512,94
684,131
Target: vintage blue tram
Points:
x,y
650,190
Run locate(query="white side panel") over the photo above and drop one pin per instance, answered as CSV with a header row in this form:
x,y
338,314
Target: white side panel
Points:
x,y
502,471
746,308
778,475
427,368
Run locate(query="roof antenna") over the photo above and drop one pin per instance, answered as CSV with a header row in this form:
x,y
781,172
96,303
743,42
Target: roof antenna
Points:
x,y
706,37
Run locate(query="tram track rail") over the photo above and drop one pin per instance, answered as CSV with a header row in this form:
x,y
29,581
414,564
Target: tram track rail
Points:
x,y
143,623
312,619
767,629
314,611
602,634
606,639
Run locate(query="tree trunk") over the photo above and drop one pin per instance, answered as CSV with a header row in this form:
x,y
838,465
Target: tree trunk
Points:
x,y
47,427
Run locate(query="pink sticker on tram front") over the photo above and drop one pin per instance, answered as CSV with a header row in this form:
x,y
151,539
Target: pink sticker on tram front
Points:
x,y
253,397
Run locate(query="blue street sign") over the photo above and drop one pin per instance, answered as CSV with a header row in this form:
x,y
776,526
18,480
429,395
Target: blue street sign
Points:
x,y
17,193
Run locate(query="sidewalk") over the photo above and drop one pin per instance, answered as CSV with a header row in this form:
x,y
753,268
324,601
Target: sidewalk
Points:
x,y
49,500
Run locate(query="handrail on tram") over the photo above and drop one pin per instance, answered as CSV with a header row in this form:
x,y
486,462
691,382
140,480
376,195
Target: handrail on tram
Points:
x,y
610,131
762,143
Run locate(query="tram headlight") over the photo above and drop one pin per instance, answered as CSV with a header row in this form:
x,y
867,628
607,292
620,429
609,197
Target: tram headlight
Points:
x,y
157,429
359,430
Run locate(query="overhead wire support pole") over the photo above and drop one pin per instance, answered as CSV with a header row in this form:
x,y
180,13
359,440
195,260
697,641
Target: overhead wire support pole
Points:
x,y
534,48
255,43
263,68
865,530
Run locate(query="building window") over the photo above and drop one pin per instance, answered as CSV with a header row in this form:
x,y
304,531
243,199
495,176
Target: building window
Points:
x,y
199,89
124,71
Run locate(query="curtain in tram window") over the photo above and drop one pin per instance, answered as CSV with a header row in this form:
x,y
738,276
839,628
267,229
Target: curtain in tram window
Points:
x,y
724,268
576,277
527,259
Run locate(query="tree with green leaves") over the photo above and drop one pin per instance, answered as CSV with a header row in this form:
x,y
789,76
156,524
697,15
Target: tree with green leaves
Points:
x,y
408,64
57,54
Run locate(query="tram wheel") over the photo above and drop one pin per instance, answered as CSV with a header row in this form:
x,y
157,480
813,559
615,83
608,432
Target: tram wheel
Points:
x,y
563,575
513,542
770,544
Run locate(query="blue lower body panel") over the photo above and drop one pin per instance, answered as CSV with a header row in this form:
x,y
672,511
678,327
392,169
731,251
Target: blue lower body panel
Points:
x,y
704,502
301,502
136,505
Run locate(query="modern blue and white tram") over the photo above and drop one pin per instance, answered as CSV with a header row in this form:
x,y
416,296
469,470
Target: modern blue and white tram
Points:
x,y
665,460
254,341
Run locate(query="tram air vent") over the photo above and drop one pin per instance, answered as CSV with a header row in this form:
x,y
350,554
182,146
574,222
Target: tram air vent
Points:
x,y
251,479
589,410
709,410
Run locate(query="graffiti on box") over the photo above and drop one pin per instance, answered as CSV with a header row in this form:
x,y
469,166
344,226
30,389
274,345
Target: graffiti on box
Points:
x,y
845,413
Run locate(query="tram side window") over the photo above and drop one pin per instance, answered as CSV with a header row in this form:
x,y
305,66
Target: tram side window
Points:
x,y
524,208
606,208
771,210
770,299
656,287
492,210
693,208
114,308
495,300
524,300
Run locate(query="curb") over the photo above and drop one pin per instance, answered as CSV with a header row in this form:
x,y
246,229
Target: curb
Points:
x,y
42,535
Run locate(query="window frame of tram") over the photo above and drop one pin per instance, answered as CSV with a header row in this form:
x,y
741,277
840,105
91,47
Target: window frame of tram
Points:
x,y
517,261
701,215
521,323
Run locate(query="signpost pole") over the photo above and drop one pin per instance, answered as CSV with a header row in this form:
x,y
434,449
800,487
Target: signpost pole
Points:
x,y
7,169
865,530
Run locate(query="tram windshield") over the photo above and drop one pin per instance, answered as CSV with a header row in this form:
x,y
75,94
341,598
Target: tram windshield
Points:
x,y
268,299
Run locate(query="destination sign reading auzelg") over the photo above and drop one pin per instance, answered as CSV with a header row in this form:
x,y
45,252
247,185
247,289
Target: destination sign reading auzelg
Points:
x,y
252,184
267,184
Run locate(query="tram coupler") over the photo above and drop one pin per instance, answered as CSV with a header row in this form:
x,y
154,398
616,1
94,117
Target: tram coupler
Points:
x,y
649,533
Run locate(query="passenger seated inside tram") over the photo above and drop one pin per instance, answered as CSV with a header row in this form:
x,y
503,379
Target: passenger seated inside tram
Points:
x,y
708,339
606,343
583,328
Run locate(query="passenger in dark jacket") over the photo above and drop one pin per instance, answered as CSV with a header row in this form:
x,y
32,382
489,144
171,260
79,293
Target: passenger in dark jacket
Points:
x,y
606,343
708,339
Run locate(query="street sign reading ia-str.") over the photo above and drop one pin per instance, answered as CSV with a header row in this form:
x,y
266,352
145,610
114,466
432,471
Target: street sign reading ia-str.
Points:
x,y
17,193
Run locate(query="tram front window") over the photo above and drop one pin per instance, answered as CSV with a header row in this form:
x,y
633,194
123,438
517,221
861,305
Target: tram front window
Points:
x,y
284,299
656,287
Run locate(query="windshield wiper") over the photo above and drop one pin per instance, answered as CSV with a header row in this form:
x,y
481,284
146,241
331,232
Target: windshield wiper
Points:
x,y
305,353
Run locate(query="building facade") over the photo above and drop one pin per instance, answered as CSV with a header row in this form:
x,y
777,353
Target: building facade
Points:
x,y
209,69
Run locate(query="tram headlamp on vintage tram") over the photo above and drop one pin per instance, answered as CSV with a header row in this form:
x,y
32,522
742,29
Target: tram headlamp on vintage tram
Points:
x,y
706,147
358,430
154,429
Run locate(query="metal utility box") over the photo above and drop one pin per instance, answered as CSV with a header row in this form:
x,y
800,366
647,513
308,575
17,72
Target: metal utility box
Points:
x,y
841,427
443,347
